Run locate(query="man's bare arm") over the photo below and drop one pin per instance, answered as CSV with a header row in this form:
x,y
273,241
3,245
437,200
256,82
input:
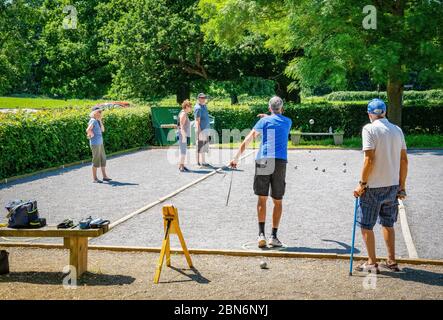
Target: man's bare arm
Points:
x,y
403,170
251,136
367,165
366,171
197,124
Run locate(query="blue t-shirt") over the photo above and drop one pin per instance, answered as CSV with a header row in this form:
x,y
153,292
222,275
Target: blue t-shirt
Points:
x,y
201,111
274,130
97,130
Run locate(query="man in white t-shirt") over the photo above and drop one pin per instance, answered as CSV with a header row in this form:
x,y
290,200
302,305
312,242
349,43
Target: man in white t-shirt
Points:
x,y
382,183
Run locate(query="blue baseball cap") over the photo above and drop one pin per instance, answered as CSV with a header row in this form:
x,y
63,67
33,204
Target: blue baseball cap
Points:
x,y
376,106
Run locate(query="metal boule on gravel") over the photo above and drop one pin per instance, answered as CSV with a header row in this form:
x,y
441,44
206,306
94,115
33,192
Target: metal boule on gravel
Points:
x,y
344,170
324,170
316,168
263,265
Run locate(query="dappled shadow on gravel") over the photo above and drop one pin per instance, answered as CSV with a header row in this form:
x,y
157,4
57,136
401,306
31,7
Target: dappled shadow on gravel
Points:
x,y
427,152
56,278
417,275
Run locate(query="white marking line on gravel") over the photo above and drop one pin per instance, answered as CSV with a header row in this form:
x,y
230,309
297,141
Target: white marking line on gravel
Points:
x,y
412,251
172,194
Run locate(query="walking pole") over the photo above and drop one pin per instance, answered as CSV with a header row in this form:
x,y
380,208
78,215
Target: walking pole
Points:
x,y
357,203
230,186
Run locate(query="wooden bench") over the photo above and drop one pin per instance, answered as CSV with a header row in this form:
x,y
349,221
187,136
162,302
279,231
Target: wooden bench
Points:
x,y
295,137
76,240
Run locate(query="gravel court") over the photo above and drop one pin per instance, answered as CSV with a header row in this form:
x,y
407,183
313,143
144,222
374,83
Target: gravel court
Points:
x,y
318,205
318,209
139,178
424,206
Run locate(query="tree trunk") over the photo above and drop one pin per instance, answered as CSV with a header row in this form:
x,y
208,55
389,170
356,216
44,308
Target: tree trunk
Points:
x,y
183,93
395,79
281,90
234,98
395,100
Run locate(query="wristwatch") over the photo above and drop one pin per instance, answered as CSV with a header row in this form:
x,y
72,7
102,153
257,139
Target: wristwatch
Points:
x,y
363,184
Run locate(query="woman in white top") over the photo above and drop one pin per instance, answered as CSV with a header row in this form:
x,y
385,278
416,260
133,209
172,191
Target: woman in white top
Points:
x,y
184,133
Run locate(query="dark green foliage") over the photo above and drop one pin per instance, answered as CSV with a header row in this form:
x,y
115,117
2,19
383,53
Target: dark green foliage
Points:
x,y
436,94
20,26
29,142
423,119
349,117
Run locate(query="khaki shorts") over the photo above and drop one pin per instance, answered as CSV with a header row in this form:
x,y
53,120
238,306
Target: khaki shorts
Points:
x,y
203,142
98,156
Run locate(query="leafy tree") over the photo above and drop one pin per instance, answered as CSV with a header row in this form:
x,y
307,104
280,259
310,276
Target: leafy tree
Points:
x,y
157,47
407,38
20,26
70,64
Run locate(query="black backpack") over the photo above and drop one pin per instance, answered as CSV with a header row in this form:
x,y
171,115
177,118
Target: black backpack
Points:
x,y
4,263
24,214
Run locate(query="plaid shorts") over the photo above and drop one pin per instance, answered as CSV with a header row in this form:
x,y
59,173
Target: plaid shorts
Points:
x,y
378,203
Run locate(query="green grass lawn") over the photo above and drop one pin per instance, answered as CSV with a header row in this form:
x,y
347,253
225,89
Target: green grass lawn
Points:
x,y
44,103
419,141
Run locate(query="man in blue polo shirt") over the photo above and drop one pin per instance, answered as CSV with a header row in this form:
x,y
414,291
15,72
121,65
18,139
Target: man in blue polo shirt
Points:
x,y
202,126
270,167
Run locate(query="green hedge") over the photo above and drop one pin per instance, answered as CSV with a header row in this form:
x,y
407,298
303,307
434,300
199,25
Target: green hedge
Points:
x,y
436,94
350,118
29,142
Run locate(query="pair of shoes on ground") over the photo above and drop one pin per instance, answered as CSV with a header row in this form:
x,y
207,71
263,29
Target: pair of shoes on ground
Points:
x,y
272,242
374,268
101,181
200,166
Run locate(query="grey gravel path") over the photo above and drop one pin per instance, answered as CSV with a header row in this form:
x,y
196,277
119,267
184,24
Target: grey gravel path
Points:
x,y
128,275
138,178
424,206
318,207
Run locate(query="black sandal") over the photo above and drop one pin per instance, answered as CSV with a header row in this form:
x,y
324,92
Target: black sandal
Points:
x,y
391,266
66,224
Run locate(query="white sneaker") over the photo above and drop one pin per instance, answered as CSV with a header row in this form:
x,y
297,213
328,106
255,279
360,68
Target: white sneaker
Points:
x,y
261,240
274,242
